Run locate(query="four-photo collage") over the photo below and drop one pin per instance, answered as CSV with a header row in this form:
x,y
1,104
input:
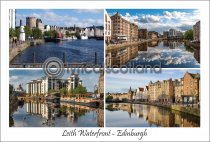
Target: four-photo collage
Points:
x,y
104,68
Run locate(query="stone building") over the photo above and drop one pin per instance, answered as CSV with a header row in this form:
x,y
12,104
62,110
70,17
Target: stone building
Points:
x,y
123,29
101,84
191,87
178,90
152,35
31,22
143,34
165,34
196,31
40,25
161,91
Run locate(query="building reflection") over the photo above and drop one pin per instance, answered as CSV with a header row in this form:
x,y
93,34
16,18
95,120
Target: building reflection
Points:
x,y
172,44
119,57
158,116
148,51
197,55
50,111
153,43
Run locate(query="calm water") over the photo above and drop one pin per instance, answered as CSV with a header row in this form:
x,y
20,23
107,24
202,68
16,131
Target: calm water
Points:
x,y
76,51
170,54
137,115
42,114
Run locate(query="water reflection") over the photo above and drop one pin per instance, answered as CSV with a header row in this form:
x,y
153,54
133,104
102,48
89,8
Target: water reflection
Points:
x,y
75,51
170,54
137,115
45,114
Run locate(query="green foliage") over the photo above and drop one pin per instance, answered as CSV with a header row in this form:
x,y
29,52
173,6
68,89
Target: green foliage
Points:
x,y
37,33
28,31
67,34
77,34
17,32
80,90
51,34
109,98
124,99
12,33
188,35
63,91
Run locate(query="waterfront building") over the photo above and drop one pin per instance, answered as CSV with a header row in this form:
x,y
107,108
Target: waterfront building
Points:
x,y
191,87
52,28
123,29
172,33
165,34
108,27
93,31
123,96
141,94
12,18
31,22
45,84
46,27
143,34
73,81
101,84
152,35
99,31
178,90
40,25
196,31
161,91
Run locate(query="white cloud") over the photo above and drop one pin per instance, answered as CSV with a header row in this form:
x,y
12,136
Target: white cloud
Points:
x,y
52,18
13,78
89,10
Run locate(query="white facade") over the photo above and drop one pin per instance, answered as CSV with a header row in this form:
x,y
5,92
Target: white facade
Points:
x,y
172,33
12,18
22,36
46,28
44,85
108,25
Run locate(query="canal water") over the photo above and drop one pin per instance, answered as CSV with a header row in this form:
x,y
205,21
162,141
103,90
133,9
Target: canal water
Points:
x,y
72,51
43,114
168,54
138,115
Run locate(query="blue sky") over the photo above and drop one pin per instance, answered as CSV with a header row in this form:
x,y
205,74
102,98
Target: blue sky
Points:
x,y
121,82
63,17
160,19
17,77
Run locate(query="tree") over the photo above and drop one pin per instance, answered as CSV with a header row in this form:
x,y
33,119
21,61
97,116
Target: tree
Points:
x,y
80,90
17,32
28,31
37,33
188,35
67,34
63,91
12,33
109,98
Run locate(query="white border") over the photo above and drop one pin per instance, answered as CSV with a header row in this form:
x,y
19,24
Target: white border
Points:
x,y
155,134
